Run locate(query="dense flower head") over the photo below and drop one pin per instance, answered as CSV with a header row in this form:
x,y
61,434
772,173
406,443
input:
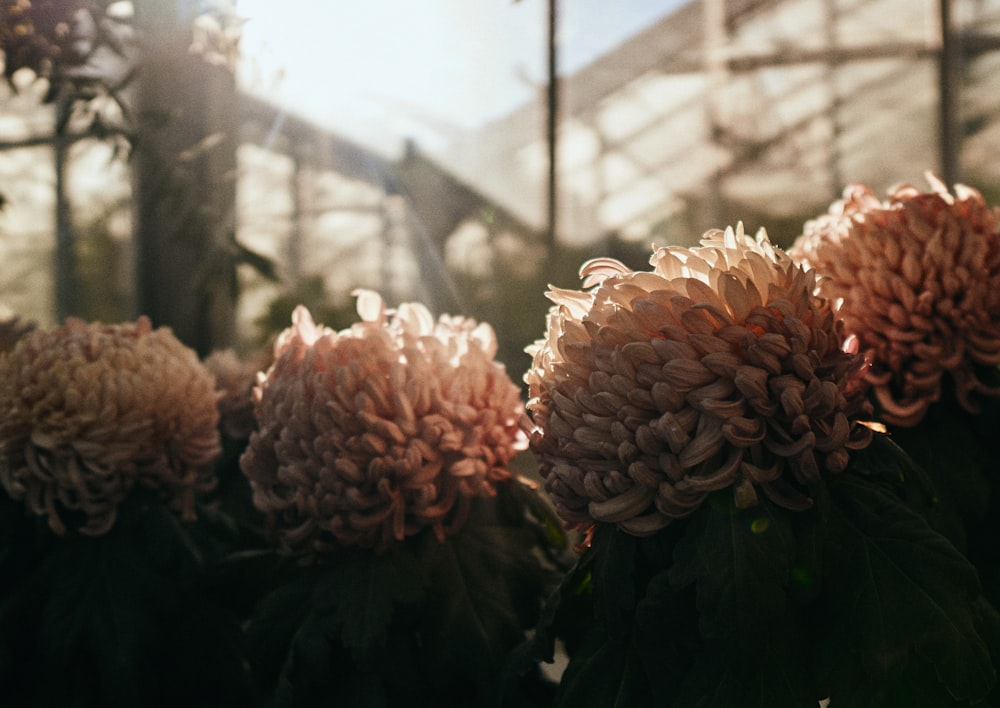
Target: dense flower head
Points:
x,y
88,411
919,280
719,368
371,434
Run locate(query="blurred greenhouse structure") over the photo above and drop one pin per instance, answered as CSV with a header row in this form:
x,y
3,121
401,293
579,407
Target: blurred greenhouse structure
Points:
x,y
758,111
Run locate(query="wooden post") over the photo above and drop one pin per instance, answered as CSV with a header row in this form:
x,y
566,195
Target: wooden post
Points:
x,y
716,74
66,279
184,181
552,129
949,95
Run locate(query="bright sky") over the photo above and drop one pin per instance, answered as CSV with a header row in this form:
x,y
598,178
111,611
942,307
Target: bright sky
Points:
x,y
388,69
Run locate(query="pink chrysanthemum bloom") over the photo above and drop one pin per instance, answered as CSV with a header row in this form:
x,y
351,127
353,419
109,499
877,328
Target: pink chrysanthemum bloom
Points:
x,y
919,280
234,382
373,433
718,369
88,411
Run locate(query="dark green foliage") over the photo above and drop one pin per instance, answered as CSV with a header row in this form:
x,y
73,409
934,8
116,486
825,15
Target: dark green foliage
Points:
x,y
740,562
865,599
960,452
124,619
425,623
859,599
901,594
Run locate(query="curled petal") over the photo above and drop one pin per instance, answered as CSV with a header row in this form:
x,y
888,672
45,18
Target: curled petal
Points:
x,y
624,506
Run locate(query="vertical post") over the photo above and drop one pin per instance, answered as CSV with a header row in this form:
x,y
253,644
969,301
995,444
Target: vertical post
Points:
x,y
552,126
949,93
834,176
713,48
66,280
299,208
184,161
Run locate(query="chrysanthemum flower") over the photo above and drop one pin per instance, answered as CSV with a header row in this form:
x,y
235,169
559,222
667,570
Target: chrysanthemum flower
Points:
x,y
234,382
373,433
919,280
88,411
718,369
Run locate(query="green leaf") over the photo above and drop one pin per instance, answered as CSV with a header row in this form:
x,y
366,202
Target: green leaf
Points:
x,y
310,669
521,505
240,580
364,590
540,647
473,575
123,620
602,674
777,677
295,647
914,685
740,562
426,622
896,587
271,631
953,456
938,463
567,614
665,636
614,578
805,577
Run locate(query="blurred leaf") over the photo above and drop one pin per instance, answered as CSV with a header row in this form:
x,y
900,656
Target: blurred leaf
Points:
x,y
263,265
894,587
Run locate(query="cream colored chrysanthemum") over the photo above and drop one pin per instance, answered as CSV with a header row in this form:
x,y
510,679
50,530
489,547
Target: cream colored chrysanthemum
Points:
x,y
718,369
919,280
88,411
370,434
